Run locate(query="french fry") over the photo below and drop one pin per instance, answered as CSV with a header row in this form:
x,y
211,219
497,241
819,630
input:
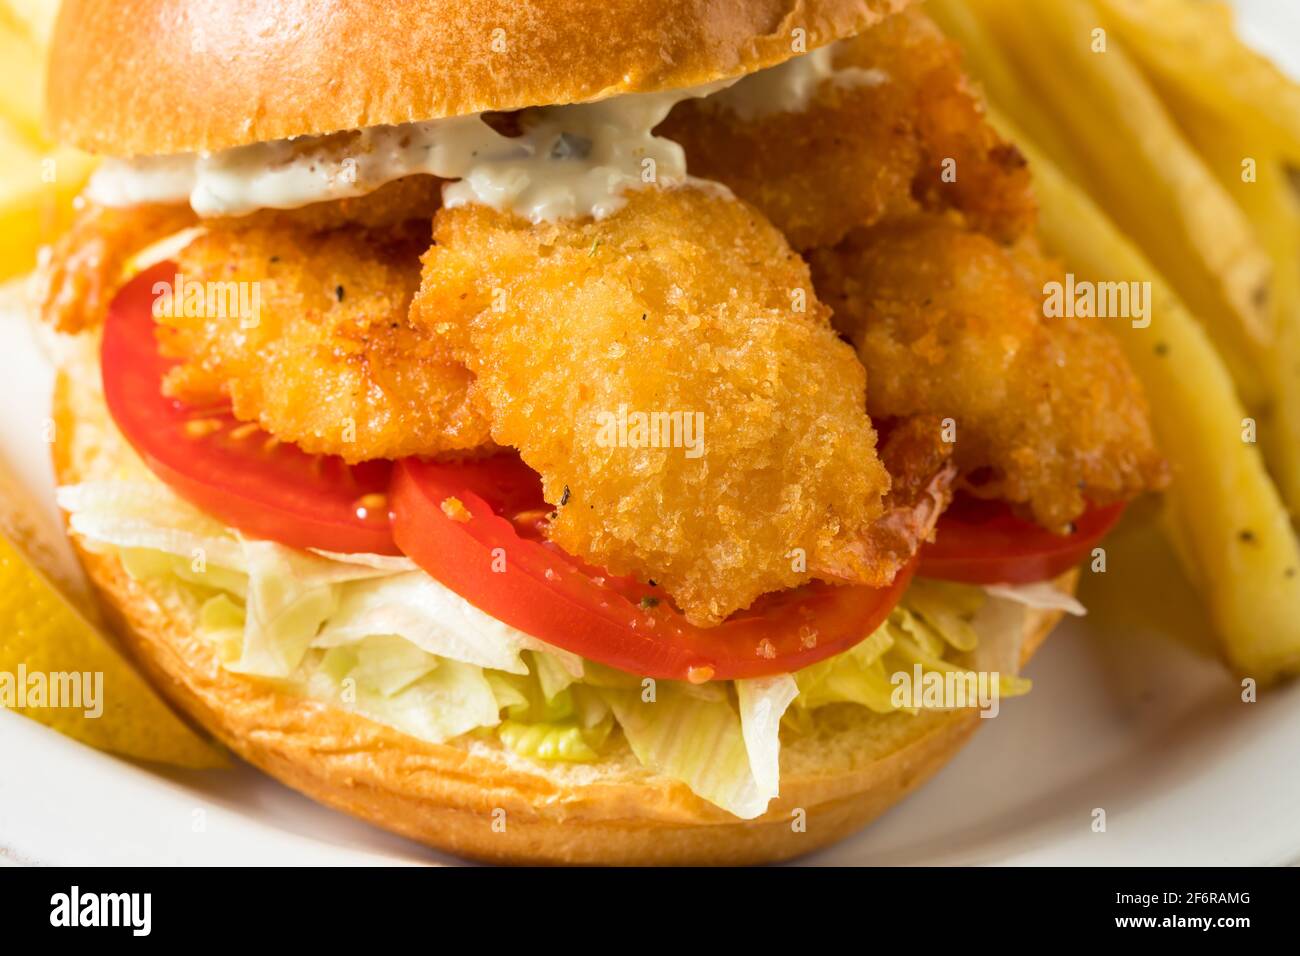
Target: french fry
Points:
x,y
1224,514
1194,46
22,80
1237,150
36,196
1143,172
1241,147
40,180
35,16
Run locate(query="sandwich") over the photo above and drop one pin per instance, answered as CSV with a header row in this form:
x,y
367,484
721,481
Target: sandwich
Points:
x,y
571,432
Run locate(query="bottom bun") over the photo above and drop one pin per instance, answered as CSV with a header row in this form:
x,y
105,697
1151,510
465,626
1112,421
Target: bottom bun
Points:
x,y
474,798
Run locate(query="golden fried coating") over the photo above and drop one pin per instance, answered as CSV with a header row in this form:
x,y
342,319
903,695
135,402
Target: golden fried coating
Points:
x,y
872,143
949,323
922,474
669,373
80,273
332,363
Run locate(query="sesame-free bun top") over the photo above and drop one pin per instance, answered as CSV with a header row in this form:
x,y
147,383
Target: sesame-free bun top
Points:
x,y
146,77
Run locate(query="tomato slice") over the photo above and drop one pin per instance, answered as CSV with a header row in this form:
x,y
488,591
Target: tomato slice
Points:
x,y
983,542
231,469
479,528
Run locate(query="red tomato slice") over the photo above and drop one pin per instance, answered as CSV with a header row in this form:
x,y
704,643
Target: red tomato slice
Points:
x,y
982,542
233,470
478,527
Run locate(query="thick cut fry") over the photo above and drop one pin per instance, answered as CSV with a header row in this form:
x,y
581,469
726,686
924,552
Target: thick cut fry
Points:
x,y
900,125
1236,147
329,361
1195,47
35,18
1225,516
686,306
36,198
1265,194
1144,173
950,324
22,79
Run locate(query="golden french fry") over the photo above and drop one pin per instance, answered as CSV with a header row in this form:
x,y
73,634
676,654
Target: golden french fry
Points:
x,y
1194,46
1240,145
1143,172
1225,515
1238,153
36,195
36,17
22,80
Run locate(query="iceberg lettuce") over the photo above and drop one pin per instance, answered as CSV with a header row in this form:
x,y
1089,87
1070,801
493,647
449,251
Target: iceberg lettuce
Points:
x,y
373,634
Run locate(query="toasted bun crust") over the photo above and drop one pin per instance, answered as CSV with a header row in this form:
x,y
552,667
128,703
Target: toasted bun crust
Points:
x,y
450,796
140,77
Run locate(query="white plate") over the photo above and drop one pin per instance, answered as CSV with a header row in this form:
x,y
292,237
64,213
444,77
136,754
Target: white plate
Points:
x,y
1130,714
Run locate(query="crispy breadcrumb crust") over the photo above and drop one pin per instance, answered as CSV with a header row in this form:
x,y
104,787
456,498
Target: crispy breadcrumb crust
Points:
x,y
1046,411
330,361
685,302
875,145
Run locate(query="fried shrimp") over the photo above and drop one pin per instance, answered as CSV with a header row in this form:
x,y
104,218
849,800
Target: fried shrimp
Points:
x,y
669,373
896,128
329,361
80,272
948,323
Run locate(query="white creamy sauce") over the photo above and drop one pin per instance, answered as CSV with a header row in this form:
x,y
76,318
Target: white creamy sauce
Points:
x,y
569,161
790,86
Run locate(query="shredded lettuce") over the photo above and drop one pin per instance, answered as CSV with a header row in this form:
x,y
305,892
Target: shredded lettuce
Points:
x,y
555,741
1041,595
373,634
450,699
433,618
696,740
946,611
763,702
856,676
146,516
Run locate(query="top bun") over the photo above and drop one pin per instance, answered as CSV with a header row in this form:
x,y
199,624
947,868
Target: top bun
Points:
x,y
148,77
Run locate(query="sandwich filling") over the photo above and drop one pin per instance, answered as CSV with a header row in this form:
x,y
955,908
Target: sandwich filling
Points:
x,y
508,430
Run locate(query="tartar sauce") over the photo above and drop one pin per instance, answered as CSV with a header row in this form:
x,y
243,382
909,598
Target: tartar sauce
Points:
x,y
789,87
568,161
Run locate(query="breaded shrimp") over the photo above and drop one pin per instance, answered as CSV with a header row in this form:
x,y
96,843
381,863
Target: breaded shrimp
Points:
x,y
948,323
887,134
332,363
669,373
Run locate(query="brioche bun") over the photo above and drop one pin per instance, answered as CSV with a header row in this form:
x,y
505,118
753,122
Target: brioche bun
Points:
x,y
849,771
144,77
